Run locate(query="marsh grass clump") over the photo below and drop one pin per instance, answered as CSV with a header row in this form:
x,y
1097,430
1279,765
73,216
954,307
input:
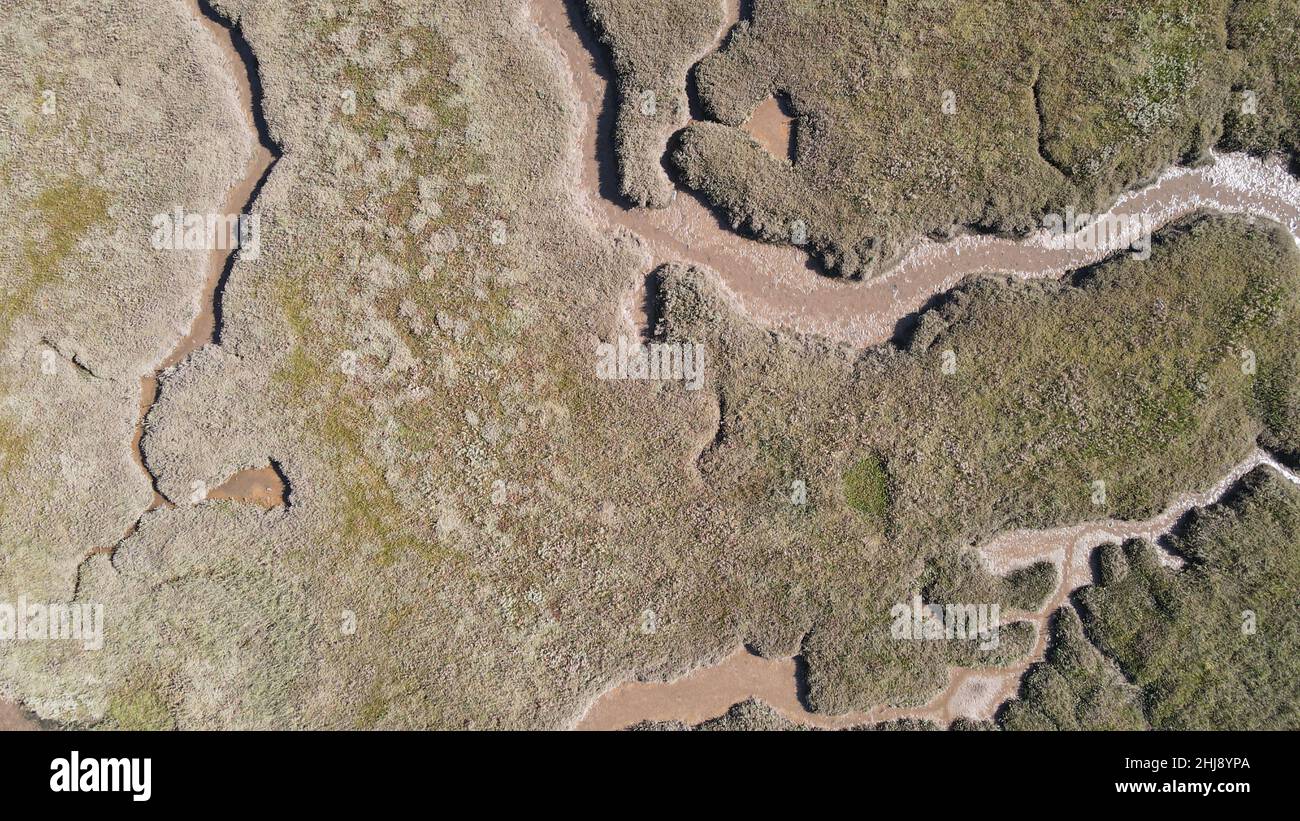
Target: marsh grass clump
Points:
x,y
866,488
1074,688
902,725
651,47
1262,112
979,116
1213,644
959,577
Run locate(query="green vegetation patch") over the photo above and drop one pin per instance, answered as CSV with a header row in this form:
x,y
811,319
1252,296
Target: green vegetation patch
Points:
x,y
866,488
748,715
59,217
132,707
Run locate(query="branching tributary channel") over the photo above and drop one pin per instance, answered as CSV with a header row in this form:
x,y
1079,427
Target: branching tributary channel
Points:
x,y
777,287
265,485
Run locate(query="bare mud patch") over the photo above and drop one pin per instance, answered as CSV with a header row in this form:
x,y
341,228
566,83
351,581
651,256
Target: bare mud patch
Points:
x,y
12,718
772,126
264,487
707,693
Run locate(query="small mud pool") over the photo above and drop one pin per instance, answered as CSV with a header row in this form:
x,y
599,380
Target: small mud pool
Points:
x,y
13,718
262,486
772,125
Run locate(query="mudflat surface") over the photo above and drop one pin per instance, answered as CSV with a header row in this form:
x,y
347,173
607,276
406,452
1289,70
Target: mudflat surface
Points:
x,y
12,718
381,460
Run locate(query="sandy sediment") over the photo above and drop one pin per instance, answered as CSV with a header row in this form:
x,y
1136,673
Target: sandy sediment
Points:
x,y
13,718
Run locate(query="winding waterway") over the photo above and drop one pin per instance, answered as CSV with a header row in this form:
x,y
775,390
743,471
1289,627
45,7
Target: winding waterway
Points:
x,y
264,486
258,488
777,286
